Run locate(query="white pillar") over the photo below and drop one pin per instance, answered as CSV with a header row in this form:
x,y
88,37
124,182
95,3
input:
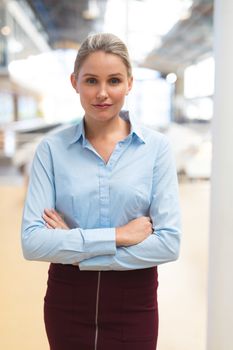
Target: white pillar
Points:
x,y
220,286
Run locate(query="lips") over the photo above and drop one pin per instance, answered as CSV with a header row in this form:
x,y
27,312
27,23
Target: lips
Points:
x,y
102,105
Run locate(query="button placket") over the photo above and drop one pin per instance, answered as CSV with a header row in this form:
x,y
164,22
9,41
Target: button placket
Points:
x,y
104,196
119,150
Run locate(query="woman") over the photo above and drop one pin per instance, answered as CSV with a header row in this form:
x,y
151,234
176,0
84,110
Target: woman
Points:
x,y
102,207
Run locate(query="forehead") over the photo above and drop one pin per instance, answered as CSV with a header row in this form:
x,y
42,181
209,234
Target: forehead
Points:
x,y
102,62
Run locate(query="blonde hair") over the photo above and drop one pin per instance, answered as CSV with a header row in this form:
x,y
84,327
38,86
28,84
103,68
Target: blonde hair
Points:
x,y
106,42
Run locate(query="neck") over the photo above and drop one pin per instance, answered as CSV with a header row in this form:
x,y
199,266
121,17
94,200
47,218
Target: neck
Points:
x,y
116,127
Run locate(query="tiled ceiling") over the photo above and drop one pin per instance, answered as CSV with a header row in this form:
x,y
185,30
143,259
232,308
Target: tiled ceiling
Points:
x,y
189,40
68,22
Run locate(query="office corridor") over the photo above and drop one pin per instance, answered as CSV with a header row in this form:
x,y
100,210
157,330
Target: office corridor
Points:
x,y
182,285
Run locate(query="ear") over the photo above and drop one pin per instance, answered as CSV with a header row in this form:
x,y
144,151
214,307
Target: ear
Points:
x,y
130,84
74,83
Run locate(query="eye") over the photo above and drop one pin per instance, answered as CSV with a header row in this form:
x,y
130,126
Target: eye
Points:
x,y
91,81
114,81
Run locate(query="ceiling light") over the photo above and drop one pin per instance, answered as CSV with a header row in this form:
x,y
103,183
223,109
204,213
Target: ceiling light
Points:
x,y
15,46
188,3
186,9
92,11
185,14
171,78
6,30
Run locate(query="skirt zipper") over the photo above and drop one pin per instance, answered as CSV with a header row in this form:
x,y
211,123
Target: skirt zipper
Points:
x,y
96,310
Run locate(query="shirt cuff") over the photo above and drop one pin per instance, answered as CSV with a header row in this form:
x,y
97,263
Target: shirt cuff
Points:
x,y
100,241
98,263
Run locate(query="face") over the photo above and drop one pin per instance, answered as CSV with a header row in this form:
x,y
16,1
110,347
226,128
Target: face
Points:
x,y
102,84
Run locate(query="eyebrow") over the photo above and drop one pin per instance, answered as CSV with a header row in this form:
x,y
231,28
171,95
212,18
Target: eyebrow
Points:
x,y
89,74
113,75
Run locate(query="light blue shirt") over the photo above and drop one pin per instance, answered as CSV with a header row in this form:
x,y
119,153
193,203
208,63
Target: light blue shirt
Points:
x,y
96,197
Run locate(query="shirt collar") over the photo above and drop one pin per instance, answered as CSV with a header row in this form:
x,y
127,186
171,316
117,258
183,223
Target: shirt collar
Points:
x,y
79,132
134,129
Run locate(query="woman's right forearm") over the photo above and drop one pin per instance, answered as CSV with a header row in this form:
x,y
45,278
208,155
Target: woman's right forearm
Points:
x,y
121,237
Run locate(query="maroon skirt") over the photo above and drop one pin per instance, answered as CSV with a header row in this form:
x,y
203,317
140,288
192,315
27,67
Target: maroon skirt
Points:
x,y
107,310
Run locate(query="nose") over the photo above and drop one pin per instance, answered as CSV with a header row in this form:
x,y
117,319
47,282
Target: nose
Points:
x,y
102,93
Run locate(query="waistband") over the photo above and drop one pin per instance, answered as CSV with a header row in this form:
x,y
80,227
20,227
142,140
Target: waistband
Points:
x,y
131,278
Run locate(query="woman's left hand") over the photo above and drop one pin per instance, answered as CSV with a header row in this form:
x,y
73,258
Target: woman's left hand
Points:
x,y
54,220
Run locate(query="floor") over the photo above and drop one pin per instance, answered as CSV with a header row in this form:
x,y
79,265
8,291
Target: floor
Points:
x,y
182,289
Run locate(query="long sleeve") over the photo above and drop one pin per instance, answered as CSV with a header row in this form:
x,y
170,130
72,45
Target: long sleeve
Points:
x,y
56,245
163,244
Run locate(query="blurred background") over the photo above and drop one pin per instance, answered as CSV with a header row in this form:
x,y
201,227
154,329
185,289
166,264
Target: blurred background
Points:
x,y
171,47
